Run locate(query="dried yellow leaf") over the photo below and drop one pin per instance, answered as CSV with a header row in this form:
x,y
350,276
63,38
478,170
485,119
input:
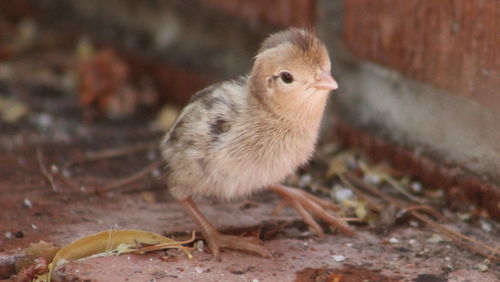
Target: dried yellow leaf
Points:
x,y
114,242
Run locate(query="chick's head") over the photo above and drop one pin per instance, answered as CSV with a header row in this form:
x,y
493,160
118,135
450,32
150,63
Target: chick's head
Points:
x,y
292,71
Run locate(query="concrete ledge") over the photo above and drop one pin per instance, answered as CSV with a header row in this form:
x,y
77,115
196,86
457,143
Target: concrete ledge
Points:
x,y
433,122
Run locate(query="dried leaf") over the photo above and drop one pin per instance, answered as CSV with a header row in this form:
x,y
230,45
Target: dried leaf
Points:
x,y
114,242
397,185
335,277
359,208
12,110
166,117
338,164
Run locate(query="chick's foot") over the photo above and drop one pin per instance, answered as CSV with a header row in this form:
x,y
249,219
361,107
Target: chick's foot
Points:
x,y
309,206
216,240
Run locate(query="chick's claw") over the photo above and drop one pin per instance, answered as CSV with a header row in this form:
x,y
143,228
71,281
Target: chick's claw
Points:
x,y
308,206
216,241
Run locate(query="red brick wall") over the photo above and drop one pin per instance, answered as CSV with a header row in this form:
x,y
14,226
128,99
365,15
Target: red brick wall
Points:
x,y
275,12
452,44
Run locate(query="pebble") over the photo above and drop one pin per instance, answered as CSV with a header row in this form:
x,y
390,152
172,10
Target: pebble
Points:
x,y
485,225
435,238
393,240
414,223
416,187
198,269
338,258
27,203
341,194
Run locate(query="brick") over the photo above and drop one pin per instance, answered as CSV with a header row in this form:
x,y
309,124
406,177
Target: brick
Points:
x,y
279,13
451,44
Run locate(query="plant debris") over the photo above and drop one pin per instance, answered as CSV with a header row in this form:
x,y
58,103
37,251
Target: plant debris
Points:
x,y
107,243
105,85
12,110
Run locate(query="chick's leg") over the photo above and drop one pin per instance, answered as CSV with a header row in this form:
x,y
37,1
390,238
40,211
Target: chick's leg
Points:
x,y
216,240
308,206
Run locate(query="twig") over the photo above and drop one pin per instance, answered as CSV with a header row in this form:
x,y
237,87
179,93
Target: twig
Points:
x,y
112,153
458,238
394,184
45,172
462,240
177,245
132,178
427,209
68,182
371,203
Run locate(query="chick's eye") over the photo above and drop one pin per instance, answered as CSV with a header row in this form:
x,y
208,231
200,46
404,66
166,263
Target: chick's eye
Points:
x,y
286,77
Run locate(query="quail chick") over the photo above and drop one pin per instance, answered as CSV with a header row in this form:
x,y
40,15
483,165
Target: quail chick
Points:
x,y
245,135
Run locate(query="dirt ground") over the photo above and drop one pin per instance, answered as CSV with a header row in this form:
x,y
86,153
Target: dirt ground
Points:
x,y
53,133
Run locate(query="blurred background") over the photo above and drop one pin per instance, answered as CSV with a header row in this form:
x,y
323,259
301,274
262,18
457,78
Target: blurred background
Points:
x,y
419,80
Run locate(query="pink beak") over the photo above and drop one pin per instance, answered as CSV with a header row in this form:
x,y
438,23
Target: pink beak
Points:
x,y
326,82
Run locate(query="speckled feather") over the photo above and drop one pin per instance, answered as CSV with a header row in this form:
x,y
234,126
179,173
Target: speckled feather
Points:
x,y
239,136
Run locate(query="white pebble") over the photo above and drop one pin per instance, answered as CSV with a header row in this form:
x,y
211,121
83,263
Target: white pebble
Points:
x,y
338,258
393,240
54,168
341,194
8,234
372,178
416,187
27,203
414,223
198,269
485,225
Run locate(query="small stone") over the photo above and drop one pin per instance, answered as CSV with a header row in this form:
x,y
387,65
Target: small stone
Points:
x,y
393,240
34,226
198,269
43,120
27,203
156,173
338,258
435,238
19,234
485,225
8,235
305,180
416,187
199,246
255,280
372,178
414,223
481,267
341,194
54,168
412,241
